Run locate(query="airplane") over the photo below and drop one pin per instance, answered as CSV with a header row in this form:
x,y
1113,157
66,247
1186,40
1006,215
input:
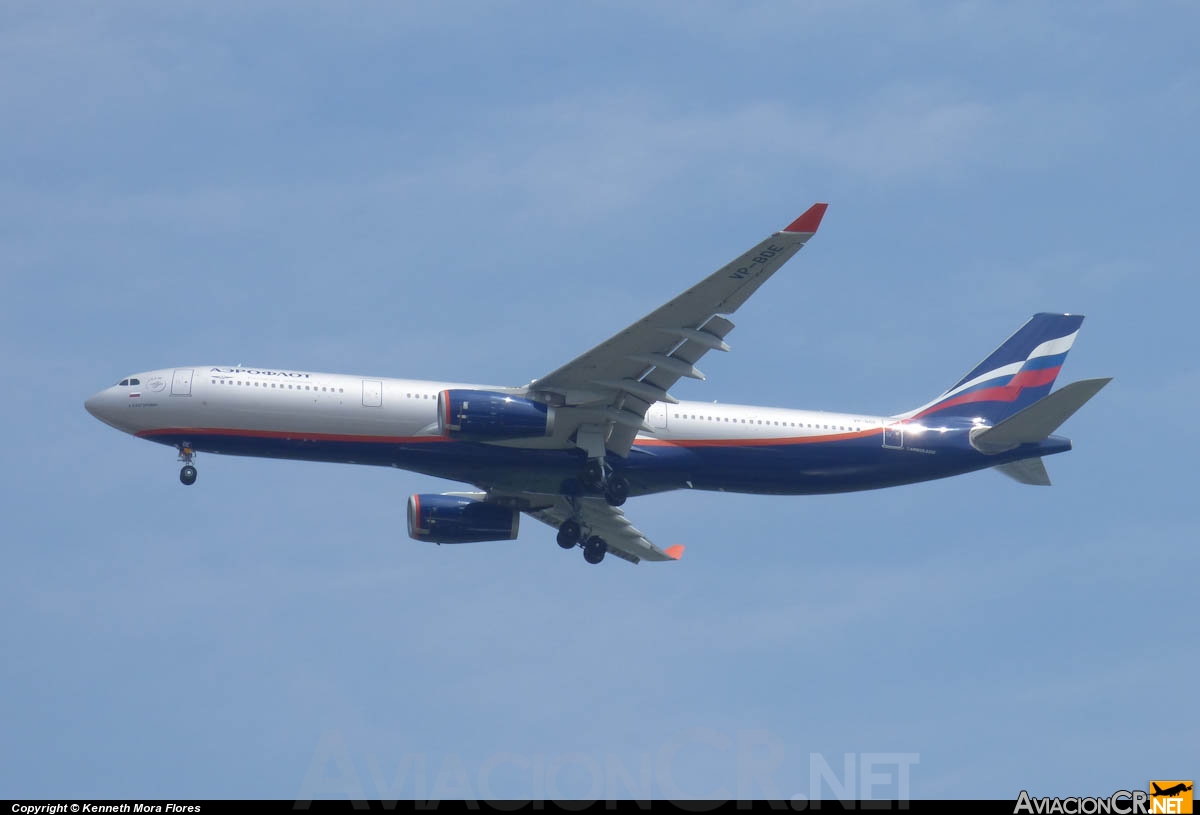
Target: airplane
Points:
x,y
1182,786
570,447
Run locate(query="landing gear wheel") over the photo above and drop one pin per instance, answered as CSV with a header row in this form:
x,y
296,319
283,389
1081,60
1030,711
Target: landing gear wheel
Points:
x,y
616,490
569,534
187,475
594,549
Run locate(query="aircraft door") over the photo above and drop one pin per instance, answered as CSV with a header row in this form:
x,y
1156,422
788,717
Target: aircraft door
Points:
x,y
372,393
893,436
656,416
181,382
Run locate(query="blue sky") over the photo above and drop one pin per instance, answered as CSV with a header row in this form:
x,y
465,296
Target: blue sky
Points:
x,y
480,191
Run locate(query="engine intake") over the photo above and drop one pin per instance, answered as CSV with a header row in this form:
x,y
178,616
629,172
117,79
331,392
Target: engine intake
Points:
x,y
491,416
459,519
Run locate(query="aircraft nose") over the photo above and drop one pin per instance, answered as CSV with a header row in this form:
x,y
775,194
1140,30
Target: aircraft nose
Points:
x,y
106,405
97,403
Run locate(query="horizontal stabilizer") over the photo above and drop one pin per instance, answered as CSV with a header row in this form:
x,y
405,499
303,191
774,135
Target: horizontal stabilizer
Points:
x,y
1040,419
1027,471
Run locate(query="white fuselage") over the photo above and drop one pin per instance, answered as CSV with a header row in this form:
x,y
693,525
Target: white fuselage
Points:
x,y
208,398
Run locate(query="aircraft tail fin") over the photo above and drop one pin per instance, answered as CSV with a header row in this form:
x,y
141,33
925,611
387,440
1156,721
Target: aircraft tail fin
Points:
x,y
1017,374
1039,420
1030,471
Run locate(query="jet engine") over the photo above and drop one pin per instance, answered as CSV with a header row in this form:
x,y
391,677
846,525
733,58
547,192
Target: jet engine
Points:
x,y
490,416
459,519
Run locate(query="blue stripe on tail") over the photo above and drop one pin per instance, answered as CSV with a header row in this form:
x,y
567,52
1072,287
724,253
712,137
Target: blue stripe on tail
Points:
x,y
1039,329
1014,376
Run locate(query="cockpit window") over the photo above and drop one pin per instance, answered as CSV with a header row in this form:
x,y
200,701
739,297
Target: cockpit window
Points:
x,y
135,382
123,382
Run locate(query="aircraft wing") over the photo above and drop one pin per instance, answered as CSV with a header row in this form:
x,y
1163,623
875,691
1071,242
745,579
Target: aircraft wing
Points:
x,y
602,396
598,518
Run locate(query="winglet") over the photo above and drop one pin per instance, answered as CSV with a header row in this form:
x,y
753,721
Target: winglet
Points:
x,y
809,221
675,552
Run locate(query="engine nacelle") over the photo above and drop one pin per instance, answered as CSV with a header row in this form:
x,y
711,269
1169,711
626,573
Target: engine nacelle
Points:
x,y
459,519
491,416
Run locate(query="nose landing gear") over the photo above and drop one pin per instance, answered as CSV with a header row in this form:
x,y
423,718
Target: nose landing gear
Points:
x,y
187,474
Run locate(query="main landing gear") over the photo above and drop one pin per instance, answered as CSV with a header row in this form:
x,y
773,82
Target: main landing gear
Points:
x,y
570,535
599,476
187,474
594,549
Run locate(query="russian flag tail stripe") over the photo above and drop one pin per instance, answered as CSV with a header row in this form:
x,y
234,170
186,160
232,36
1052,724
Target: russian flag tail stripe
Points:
x,y
1034,378
1049,361
1043,335
1018,373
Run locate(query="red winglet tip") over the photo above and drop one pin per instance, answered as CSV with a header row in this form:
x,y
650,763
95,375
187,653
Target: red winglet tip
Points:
x,y
675,552
809,221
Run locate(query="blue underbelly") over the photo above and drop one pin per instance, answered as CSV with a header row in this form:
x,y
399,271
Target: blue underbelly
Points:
x,y
785,468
